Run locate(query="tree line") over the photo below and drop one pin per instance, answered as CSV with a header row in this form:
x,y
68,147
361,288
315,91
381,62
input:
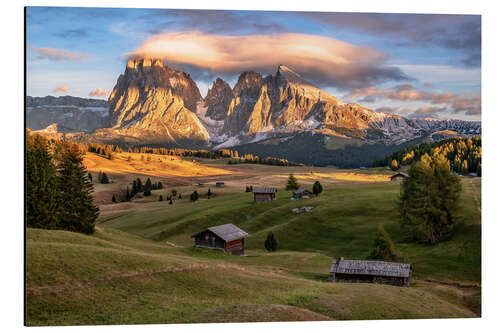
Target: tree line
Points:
x,y
463,155
254,159
58,190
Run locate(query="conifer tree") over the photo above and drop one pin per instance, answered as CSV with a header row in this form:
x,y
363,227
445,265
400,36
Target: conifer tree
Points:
x,y
147,187
292,183
383,248
180,196
174,192
139,185
429,199
41,184
160,185
104,178
161,198
89,175
113,199
209,193
317,188
194,196
78,212
271,244
170,202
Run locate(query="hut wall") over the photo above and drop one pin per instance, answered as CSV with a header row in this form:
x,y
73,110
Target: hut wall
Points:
x,y
235,246
209,239
261,197
395,281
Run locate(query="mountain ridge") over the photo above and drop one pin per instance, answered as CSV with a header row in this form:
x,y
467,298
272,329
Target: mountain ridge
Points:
x,y
152,102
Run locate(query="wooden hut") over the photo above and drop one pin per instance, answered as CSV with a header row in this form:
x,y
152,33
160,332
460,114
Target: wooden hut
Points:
x,y
302,193
398,176
371,271
227,237
261,194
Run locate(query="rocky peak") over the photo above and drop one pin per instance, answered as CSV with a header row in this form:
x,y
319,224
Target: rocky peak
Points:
x,y
248,84
286,74
218,98
153,100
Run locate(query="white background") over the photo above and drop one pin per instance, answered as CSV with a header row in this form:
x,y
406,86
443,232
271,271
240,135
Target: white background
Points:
x,y
11,162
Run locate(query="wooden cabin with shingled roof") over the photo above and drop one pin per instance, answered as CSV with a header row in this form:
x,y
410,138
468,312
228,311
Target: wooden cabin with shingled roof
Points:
x,y
262,194
371,271
226,237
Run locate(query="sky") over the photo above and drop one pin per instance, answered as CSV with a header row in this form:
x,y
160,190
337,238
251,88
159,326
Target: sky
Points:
x,y
414,65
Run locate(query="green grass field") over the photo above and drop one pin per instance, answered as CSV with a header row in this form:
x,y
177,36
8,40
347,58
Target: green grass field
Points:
x,y
140,265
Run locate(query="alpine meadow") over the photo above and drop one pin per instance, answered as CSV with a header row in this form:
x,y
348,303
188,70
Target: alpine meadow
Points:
x,y
212,166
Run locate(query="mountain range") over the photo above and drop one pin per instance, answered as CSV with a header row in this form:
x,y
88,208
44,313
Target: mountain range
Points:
x,y
152,103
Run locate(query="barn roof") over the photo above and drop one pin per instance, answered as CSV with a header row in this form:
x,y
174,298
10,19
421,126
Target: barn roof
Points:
x,y
371,267
264,190
400,174
227,232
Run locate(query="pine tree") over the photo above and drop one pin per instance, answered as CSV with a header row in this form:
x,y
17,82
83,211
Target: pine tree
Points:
x,y
134,188
194,196
180,196
113,199
292,183
75,191
99,177
128,195
317,188
147,188
429,199
271,244
160,185
174,192
383,248
209,193
89,175
41,184
104,178
170,202
139,185
161,198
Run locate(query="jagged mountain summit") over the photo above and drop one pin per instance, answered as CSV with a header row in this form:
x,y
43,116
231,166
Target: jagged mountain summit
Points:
x,y
157,103
153,103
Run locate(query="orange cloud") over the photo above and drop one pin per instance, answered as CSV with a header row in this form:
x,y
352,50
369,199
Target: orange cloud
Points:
x,y
58,89
99,92
327,60
59,54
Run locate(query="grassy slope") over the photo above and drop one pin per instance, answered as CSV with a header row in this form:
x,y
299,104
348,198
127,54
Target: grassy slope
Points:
x,y
342,223
140,266
116,278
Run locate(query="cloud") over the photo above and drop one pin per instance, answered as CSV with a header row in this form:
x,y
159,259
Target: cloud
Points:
x,y
454,32
325,61
61,89
386,109
470,104
58,54
404,92
99,92
72,33
211,21
427,112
